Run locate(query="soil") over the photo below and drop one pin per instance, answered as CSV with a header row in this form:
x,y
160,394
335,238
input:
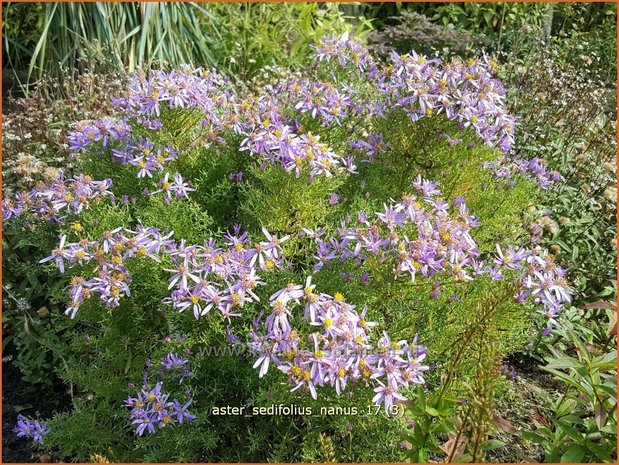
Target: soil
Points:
x,y
15,401
524,405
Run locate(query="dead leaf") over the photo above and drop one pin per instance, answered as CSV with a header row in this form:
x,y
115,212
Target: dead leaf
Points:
x,y
505,425
451,444
543,421
600,304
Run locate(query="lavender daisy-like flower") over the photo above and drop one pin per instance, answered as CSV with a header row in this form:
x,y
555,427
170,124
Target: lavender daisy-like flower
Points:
x,y
386,395
59,254
172,361
27,428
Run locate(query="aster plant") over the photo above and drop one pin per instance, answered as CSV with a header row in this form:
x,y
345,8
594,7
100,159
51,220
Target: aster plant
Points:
x,y
331,235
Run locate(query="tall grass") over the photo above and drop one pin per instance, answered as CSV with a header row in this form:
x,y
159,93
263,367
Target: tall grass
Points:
x,y
236,38
131,35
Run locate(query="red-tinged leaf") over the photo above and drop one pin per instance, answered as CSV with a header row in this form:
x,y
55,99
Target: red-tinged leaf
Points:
x,y
613,331
539,419
459,447
505,425
600,304
600,415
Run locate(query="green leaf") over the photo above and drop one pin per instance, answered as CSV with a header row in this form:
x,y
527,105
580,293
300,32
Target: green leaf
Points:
x,y
492,444
606,361
534,437
574,454
569,430
565,362
599,451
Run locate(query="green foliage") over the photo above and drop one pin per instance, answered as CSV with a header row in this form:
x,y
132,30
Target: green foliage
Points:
x,y
584,426
489,18
189,221
455,419
274,198
236,38
414,31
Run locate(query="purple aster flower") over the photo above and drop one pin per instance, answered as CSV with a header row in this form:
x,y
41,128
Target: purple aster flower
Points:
x,y
27,428
333,199
172,361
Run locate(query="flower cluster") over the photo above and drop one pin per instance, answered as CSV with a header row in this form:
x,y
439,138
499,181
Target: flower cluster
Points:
x,y
346,52
209,277
152,408
339,353
85,133
424,236
110,253
276,143
507,168
268,135
192,282
421,235
142,105
27,428
464,92
63,196
542,281
375,145
322,100
184,88
116,135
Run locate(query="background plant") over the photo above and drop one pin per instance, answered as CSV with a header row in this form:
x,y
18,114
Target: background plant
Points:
x,y
238,39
